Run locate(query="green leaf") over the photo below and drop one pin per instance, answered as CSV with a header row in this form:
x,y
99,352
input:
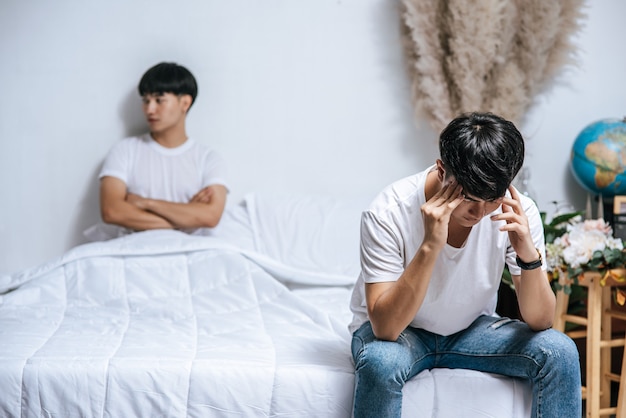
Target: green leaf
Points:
x,y
566,217
612,256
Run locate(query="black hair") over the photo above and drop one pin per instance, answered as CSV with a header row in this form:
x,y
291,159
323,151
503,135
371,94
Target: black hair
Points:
x,y
484,152
168,77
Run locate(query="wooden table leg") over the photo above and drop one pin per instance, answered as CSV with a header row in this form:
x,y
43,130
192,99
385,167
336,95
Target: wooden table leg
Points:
x,y
562,302
594,317
605,352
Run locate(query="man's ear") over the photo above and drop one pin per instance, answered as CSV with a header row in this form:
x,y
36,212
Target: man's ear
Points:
x,y
185,101
441,172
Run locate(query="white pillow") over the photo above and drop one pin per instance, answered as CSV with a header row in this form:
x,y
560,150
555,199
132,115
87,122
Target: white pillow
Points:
x,y
314,233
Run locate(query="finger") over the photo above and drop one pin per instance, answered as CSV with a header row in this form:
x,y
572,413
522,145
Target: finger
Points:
x,y
199,199
511,212
203,195
444,204
514,222
451,199
449,191
457,196
514,201
207,193
512,206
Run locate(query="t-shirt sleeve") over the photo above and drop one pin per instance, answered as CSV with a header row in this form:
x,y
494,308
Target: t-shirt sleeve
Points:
x,y
536,230
214,170
116,162
381,252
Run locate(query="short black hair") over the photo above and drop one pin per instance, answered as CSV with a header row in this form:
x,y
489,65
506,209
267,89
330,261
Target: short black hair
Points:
x,y
484,152
168,77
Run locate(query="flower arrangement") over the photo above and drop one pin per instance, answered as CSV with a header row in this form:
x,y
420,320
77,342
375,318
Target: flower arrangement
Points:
x,y
576,246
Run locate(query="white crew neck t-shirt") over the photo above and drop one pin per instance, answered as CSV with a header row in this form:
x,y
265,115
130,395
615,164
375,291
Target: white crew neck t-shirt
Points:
x,y
465,281
153,171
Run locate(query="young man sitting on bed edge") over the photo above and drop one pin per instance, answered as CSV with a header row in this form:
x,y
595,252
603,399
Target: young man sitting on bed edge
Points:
x,y
433,248
162,179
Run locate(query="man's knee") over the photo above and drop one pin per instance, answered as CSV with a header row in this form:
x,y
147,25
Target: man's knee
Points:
x,y
558,349
384,361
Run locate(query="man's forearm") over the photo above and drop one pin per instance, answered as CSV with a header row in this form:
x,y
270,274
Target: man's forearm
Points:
x,y
393,310
185,215
535,298
129,216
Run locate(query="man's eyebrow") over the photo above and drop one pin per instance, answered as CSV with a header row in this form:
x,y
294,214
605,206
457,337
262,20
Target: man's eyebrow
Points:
x,y
473,199
470,198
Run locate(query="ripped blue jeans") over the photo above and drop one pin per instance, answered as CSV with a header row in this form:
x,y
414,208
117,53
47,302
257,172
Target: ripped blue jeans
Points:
x,y
549,359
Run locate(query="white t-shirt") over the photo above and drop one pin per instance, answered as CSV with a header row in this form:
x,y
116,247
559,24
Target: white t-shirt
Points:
x,y
156,172
152,171
465,281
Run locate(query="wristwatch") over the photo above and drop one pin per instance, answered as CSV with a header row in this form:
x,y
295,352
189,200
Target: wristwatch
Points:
x,y
529,266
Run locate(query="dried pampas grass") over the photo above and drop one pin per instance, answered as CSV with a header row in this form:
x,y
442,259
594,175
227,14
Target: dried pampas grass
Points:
x,y
487,55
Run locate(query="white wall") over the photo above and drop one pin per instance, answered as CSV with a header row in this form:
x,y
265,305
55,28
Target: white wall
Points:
x,y
307,95
595,90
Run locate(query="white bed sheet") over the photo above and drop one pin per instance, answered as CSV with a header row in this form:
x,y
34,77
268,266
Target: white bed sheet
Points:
x,y
271,225
438,393
163,324
312,233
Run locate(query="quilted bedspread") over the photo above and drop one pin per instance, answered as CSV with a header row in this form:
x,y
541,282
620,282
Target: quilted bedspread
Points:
x,y
161,324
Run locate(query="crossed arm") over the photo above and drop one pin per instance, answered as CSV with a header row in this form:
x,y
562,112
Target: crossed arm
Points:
x,y
125,209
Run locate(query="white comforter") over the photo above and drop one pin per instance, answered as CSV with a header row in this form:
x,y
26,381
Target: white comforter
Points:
x,y
163,324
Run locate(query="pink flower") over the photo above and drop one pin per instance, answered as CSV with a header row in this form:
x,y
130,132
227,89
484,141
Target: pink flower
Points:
x,y
598,224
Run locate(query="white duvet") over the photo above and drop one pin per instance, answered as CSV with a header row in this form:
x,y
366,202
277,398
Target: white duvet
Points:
x,y
163,324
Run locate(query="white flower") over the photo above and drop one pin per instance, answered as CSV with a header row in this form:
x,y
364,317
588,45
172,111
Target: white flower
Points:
x,y
554,251
582,245
577,246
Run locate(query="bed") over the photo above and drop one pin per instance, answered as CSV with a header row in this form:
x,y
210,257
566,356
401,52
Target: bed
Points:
x,y
247,320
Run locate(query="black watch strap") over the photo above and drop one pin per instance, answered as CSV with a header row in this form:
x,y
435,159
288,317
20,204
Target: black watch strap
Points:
x,y
529,266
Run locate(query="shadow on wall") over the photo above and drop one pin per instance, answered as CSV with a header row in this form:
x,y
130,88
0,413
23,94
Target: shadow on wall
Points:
x,y
133,121
88,209
575,193
131,114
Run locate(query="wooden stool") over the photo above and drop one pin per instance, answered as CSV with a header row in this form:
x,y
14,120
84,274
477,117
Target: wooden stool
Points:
x,y
599,343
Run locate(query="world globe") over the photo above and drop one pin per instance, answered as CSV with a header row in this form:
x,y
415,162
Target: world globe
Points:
x,y
598,158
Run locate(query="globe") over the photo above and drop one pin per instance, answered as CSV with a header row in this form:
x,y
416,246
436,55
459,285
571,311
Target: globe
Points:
x,y
598,158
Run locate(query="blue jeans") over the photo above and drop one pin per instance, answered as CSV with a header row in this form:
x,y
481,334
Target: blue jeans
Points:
x,y
549,359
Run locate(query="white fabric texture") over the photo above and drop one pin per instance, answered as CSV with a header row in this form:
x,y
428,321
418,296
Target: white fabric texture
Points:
x,y
150,170
464,280
160,323
439,393
310,233
165,324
